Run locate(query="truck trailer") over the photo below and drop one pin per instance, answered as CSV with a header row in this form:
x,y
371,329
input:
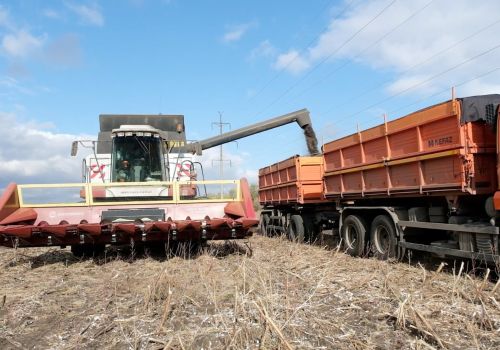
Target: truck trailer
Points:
x,y
428,181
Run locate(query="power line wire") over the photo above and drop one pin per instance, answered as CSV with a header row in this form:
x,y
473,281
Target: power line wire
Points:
x,y
416,65
425,81
329,75
445,90
426,98
316,66
281,70
439,92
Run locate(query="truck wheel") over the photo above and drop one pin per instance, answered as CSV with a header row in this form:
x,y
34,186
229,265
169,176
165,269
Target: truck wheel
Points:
x,y
310,234
353,235
383,238
485,243
296,229
264,222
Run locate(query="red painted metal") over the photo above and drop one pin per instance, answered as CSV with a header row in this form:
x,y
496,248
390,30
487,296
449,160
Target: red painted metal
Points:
x,y
216,223
247,200
9,201
20,215
129,228
235,209
21,231
58,230
91,229
67,234
247,223
29,227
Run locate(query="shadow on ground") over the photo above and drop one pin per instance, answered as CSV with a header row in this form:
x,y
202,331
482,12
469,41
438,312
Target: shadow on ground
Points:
x,y
158,252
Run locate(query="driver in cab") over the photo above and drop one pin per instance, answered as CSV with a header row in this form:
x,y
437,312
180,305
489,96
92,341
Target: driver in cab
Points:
x,y
123,174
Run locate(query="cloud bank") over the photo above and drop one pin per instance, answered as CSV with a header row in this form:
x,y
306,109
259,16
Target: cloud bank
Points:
x,y
31,152
412,51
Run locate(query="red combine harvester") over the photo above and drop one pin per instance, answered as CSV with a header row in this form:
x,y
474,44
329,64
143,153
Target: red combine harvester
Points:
x,y
139,185
428,181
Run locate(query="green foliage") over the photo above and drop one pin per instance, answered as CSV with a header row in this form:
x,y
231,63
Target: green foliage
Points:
x,y
254,191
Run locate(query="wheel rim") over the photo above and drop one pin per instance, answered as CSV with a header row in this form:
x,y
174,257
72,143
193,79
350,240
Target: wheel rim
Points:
x,y
293,230
381,240
351,236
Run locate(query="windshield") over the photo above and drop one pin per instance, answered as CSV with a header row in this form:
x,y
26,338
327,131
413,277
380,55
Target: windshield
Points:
x,y
136,159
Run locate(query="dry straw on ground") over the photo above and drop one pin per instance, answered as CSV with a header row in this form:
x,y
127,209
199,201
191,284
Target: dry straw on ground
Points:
x,y
284,296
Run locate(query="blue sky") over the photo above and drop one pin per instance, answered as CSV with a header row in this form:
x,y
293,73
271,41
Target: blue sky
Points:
x,y
62,63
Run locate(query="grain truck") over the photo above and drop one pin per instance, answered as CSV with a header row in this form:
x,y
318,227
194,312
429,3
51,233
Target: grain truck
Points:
x,y
428,181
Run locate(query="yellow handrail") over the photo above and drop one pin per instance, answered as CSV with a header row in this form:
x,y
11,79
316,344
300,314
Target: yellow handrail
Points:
x,y
88,197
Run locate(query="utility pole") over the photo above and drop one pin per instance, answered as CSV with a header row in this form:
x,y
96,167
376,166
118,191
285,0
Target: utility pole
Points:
x,y
221,159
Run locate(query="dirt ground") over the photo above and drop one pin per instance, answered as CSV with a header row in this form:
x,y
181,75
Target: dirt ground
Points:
x,y
283,296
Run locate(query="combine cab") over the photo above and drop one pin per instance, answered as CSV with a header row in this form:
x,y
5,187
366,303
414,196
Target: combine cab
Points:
x,y
139,185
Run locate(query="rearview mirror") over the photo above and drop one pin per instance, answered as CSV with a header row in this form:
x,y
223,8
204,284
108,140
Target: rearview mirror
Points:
x,y
74,148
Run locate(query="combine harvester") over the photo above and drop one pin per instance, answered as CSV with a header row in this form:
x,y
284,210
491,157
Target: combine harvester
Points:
x,y
140,185
429,181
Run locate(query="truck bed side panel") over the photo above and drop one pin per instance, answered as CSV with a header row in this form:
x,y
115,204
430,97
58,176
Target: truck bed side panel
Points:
x,y
426,152
294,180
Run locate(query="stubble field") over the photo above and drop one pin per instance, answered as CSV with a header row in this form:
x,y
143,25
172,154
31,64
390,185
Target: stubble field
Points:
x,y
278,295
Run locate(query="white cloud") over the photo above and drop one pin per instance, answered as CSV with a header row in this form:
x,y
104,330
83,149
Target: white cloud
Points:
x,y
5,20
264,49
32,153
15,42
236,169
12,84
407,82
50,13
90,14
235,33
4,15
292,62
441,25
22,43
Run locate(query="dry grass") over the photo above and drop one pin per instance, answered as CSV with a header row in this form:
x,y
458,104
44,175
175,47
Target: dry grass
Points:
x,y
284,296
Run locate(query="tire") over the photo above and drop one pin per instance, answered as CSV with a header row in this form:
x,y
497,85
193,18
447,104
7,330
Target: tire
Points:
x,y
87,250
296,229
383,239
354,235
310,234
264,222
484,243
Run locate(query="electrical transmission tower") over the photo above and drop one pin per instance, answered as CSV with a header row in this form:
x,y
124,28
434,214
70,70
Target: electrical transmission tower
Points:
x,y
220,124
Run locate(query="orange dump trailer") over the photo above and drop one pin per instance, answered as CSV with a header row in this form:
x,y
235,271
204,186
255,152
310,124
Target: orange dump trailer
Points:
x,y
296,180
427,152
426,181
